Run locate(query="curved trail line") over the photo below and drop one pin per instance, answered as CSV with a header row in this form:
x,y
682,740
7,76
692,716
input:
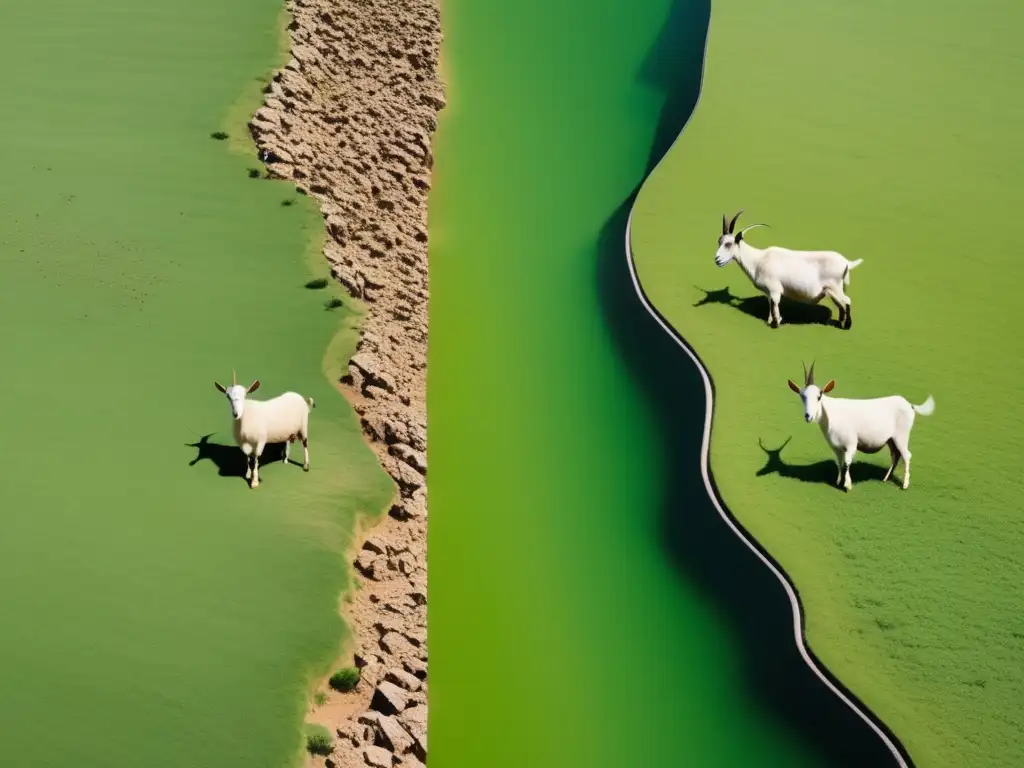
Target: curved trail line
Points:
x,y
899,753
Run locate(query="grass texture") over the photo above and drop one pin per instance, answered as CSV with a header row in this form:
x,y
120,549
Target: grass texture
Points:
x,y
155,608
888,132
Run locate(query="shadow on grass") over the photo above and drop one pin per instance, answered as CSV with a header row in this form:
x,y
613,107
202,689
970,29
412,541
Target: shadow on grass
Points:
x,y
824,472
704,550
229,459
793,312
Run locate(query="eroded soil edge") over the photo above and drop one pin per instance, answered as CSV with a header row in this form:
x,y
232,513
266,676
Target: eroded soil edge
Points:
x,y
349,119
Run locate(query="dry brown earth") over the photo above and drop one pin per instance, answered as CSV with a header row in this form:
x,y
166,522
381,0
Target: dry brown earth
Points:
x,y
349,119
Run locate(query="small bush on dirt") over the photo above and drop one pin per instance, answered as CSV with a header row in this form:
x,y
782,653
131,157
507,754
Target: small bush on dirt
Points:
x,y
334,303
318,740
344,680
254,173
316,285
218,135
320,698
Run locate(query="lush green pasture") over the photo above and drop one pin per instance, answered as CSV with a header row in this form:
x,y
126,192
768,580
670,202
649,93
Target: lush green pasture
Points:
x,y
154,610
890,132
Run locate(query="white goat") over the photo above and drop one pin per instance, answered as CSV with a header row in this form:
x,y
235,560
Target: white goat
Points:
x,y
805,276
283,419
861,425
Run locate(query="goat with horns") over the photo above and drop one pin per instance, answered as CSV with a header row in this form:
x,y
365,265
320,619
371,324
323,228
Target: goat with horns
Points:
x,y
805,276
282,419
861,425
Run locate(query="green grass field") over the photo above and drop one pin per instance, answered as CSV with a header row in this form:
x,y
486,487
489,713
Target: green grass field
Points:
x,y
155,610
888,132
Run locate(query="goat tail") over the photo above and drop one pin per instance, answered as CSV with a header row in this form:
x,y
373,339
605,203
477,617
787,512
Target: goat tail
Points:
x,y
311,401
850,265
927,408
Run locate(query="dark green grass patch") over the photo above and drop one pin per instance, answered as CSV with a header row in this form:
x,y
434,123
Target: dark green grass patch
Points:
x,y
345,679
868,132
317,283
318,740
334,303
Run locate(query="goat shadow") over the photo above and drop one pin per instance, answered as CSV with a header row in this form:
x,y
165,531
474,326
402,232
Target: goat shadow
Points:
x,y
229,459
820,472
793,312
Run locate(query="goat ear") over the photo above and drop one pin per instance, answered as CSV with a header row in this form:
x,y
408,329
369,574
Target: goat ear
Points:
x,y
739,238
793,386
253,387
828,387
219,387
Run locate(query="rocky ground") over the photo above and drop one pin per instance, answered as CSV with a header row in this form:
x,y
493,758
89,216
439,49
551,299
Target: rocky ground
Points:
x,y
349,120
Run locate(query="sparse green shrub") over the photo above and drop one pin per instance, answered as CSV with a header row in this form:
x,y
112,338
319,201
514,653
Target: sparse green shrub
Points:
x,y
218,135
320,698
318,740
344,680
287,203
254,173
316,285
334,303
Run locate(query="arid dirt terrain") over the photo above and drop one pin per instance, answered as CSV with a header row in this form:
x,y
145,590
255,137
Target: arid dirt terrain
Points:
x,y
350,119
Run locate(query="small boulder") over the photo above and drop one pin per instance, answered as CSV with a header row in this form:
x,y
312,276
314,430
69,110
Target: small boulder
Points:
x,y
394,736
377,757
364,561
414,720
389,699
416,667
375,545
402,679
395,644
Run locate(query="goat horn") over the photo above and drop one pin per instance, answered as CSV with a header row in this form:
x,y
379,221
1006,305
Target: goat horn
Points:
x,y
804,366
725,225
234,378
744,230
732,224
810,376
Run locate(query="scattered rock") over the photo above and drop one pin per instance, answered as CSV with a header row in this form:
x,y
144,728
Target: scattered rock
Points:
x,y
377,757
403,679
392,735
417,637
375,545
414,720
416,667
396,644
389,699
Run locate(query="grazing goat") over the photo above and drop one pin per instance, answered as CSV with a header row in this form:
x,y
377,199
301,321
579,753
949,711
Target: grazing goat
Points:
x,y
861,425
284,419
805,276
